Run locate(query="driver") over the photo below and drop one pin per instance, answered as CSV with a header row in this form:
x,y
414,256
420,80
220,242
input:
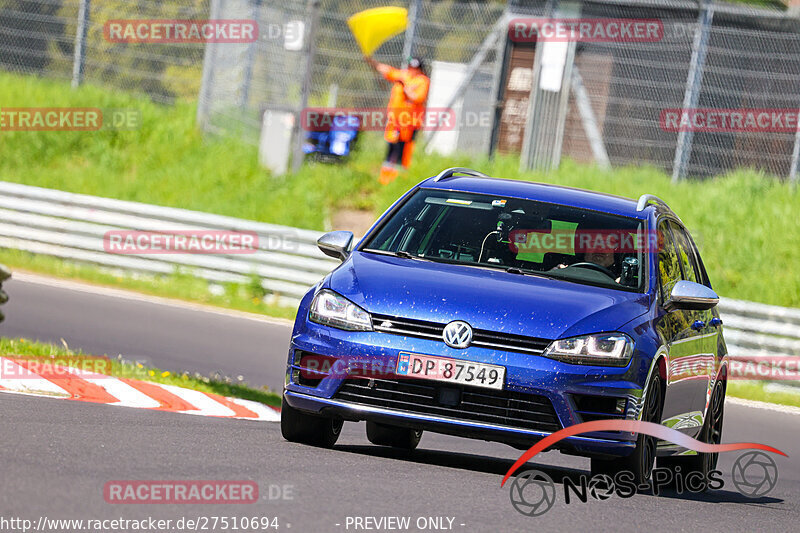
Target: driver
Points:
x,y
599,256
604,258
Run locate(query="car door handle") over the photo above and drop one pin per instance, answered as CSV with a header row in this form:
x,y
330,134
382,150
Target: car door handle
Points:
x,y
698,325
715,322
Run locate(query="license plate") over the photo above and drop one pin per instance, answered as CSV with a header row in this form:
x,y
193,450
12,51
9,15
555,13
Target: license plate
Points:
x,y
451,370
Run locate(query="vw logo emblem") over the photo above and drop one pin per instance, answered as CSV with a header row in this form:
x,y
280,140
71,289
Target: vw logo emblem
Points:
x,y
457,334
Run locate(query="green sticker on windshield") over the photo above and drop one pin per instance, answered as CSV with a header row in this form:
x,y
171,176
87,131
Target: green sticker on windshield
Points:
x,y
555,226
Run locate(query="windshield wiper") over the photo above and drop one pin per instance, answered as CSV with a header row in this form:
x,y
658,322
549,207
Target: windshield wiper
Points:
x,y
400,253
517,270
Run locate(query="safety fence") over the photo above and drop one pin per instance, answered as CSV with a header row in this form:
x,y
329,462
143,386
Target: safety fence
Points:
x,y
73,226
766,335
713,55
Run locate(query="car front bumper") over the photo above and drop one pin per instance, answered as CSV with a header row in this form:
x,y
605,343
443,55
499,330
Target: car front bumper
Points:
x,y
560,383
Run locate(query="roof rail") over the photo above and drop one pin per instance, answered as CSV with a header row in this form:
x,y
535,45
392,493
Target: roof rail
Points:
x,y
647,199
450,172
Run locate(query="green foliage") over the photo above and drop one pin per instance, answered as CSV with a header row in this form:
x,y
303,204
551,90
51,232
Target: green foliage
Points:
x,y
163,71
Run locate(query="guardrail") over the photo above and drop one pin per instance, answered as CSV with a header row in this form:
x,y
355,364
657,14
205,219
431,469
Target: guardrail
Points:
x,y
761,333
72,226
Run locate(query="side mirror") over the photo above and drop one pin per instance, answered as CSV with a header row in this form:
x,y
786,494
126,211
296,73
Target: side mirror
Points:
x,y
691,296
336,244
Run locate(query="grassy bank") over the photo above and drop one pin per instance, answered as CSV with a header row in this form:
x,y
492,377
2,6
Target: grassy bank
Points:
x,y
745,223
63,356
764,392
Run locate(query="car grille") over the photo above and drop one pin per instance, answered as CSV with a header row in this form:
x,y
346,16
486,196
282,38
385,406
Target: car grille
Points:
x,y
483,338
505,408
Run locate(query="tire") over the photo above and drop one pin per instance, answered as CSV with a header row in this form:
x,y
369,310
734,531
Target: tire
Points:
x,y
640,463
704,463
383,435
297,426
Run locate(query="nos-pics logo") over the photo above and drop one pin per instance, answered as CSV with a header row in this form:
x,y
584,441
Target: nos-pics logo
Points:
x,y
533,492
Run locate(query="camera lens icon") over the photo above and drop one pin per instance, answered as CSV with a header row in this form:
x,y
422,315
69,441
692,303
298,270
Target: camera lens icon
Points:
x,y
533,493
754,474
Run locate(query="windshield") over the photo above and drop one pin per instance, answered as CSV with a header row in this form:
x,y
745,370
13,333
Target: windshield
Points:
x,y
519,236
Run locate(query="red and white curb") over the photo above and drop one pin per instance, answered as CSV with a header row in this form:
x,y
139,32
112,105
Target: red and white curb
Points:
x,y
16,377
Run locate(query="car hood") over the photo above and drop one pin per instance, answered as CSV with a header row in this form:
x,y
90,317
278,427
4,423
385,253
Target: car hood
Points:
x,y
487,299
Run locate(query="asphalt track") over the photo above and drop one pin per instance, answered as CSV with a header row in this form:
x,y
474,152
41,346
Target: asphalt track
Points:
x,y
169,337
57,455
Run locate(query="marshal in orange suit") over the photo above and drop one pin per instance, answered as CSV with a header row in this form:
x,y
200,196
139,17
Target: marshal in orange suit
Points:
x,y
405,114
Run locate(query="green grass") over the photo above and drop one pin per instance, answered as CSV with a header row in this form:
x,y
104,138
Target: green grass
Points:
x,y
745,223
64,356
756,390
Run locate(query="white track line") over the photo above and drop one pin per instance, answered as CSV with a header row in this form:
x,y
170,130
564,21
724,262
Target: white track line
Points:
x,y
16,378
204,405
264,412
127,395
27,277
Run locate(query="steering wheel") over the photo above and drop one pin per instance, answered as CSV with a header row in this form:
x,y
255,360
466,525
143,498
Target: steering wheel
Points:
x,y
594,266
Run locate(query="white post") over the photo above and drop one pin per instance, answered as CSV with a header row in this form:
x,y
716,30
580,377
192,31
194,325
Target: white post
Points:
x,y
79,58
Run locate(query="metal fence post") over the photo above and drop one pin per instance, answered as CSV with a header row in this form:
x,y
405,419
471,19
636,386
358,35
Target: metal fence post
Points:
x,y
79,58
297,155
209,60
498,32
411,31
589,120
795,155
249,60
694,81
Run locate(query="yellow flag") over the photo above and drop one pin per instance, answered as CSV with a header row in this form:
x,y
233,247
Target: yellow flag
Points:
x,y
373,27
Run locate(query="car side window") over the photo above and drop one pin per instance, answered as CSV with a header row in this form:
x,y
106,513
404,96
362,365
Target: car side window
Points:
x,y
685,253
669,269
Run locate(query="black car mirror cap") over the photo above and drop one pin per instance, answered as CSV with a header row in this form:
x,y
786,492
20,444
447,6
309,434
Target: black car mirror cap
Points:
x,y
336,244
691,296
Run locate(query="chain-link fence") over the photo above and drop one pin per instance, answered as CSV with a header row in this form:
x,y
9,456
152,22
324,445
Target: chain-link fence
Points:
x,y
745,59
39,37
269,74
712,55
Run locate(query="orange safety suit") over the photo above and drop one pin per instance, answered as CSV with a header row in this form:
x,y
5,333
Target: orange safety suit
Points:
x,y
406,111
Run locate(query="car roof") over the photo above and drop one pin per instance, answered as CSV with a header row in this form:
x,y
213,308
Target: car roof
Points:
x,y
542,192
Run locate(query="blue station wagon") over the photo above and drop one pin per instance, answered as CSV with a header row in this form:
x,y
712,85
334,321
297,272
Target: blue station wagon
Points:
x,y
506,310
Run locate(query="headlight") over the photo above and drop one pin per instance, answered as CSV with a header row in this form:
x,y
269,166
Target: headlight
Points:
x,y
336,311
607,349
